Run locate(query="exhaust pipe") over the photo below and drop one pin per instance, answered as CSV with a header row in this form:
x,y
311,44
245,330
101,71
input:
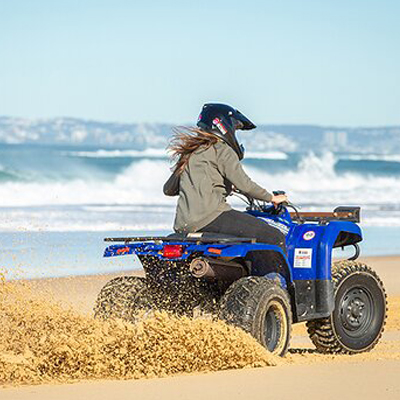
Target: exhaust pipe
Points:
x,y
216,269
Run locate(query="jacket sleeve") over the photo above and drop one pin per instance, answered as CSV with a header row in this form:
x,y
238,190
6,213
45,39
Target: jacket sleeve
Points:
x,y
231,169
171,187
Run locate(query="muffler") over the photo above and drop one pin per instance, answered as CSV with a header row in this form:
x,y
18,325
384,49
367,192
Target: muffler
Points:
x,y
216,269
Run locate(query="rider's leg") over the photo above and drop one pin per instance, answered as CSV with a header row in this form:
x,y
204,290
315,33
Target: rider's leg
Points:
x,y
244,225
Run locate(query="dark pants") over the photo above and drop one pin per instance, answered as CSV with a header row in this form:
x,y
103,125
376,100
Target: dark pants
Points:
x,y
240,224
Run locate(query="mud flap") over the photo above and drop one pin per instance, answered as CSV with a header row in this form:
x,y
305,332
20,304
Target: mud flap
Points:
x,y
313,299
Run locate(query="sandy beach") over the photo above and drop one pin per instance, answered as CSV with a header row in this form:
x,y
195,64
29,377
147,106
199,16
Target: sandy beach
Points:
x,y
366,376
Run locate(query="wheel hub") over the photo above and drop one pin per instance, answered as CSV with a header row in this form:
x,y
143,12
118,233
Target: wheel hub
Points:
x,y
273,326
356,309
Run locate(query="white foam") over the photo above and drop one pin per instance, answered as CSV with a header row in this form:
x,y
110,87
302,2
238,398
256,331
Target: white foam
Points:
x,y
372,157
134,198
163,153
141,183
102,153
267,155
43,225
316,181
75,219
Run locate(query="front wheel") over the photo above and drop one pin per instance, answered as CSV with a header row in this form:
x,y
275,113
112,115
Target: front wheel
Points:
x,y
358,320
262,308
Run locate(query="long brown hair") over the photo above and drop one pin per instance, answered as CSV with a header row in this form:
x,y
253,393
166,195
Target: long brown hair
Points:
x,y
184,141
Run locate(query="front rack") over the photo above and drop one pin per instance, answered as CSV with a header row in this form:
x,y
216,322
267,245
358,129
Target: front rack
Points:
x,y
342,213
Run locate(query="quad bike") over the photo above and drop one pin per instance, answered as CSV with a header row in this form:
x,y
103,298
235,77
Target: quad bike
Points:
x,y
256,286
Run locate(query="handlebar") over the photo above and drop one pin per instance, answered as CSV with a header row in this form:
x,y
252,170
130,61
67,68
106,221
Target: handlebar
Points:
x,y
253,204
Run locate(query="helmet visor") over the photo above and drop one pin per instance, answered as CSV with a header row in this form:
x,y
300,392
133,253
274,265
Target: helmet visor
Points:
x,y
237,124
246,124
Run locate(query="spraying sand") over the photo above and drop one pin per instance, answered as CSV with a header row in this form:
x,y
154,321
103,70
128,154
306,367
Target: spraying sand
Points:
x,y
43,342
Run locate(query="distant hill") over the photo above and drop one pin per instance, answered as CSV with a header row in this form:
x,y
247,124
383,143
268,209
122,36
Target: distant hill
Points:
x,y
288,138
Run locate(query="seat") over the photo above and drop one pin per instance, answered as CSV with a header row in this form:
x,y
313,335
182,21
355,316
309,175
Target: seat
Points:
x,y
209,237
199,235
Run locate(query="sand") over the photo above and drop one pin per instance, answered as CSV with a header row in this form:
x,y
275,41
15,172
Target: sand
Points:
x,y
367,381
364,376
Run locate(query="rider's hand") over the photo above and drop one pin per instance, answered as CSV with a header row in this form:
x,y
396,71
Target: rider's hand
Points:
x,y
281,198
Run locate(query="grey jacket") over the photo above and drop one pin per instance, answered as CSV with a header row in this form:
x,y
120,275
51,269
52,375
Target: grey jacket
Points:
x,y
206,182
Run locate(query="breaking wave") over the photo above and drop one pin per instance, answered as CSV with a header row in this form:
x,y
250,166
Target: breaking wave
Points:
x,y
260,155
102,153
162,153
314,180
372,157
140,183
7,175
108,193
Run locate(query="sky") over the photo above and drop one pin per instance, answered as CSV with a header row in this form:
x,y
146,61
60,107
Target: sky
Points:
x,y
289,61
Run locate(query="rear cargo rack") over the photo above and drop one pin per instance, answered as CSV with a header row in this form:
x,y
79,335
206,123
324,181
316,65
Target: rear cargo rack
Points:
x,y
193,239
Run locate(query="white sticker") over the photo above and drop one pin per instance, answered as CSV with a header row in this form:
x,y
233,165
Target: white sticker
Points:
x,y
309,235
302,258
195,235
278,225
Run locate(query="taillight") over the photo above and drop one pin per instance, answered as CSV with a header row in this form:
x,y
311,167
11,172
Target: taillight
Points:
x,y
172,251
123,250
214,250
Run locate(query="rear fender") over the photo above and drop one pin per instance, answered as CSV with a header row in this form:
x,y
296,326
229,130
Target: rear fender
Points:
x,y
217,249
223,250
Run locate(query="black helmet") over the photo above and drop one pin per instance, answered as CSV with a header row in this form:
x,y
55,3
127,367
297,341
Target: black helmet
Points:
x,y
223,120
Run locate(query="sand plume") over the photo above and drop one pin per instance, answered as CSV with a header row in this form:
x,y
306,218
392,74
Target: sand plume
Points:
x,y
42,342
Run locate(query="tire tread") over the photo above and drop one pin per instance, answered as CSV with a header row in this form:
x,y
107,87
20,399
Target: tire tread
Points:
x,y
240,302
321,331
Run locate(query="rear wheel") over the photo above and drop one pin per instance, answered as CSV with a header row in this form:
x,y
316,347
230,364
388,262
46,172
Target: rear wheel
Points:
x,y
261,308
122,297
358,319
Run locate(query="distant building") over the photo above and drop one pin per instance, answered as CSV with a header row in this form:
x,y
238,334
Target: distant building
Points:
x,y
335,140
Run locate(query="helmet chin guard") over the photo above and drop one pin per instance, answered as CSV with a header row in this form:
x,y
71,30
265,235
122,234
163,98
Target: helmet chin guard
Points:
x,y
223,121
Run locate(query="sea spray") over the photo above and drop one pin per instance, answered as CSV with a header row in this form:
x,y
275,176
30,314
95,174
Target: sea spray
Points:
x,y
110,191
41,341
118,180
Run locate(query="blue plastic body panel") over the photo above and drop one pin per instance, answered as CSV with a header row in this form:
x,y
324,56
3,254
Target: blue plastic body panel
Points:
x,y
317,240
153,249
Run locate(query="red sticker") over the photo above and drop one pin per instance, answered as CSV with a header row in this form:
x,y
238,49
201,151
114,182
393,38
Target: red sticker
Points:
x,y
217,122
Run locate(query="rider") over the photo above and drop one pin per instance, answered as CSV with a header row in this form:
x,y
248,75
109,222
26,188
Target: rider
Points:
x,y
207,167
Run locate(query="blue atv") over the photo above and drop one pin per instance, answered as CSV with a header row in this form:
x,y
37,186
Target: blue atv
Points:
x,y
256,286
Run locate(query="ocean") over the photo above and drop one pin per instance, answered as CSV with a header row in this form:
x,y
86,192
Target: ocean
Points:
x,y
57,203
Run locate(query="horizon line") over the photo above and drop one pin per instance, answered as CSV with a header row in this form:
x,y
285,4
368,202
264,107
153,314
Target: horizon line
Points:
x,y
88,119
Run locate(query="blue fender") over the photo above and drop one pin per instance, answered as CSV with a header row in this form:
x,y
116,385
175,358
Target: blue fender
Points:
x,y
318,241
239,250
328,243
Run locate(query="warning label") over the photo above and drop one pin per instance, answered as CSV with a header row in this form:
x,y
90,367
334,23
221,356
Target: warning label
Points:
x,y
302,258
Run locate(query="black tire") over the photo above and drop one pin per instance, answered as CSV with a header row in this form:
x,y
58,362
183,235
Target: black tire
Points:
x,y
122,297
359,317
262,308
